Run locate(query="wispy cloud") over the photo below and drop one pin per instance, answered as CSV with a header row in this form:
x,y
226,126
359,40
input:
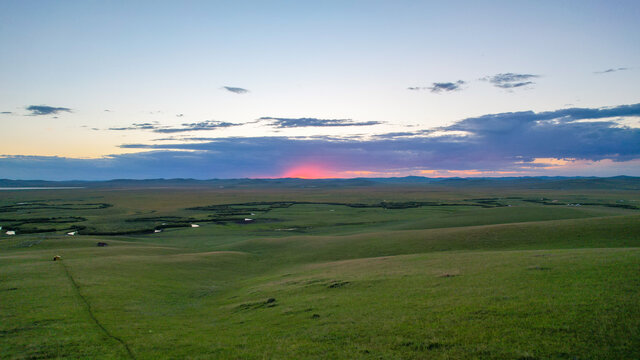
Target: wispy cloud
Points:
x,y
314,122
46,110
203,125
157,127
136,126
236,90
510,80
6,112
611,70
439,87
399,134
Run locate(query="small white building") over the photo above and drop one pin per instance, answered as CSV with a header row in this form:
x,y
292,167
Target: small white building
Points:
x,y
157,231
10,232
195,225
73,233
248,220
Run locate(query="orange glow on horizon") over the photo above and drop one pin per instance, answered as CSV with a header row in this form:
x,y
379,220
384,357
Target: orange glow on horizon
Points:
x,y
315,171
552,162
307,172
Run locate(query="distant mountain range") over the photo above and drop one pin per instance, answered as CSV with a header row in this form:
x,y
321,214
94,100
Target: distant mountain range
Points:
x,y
617,182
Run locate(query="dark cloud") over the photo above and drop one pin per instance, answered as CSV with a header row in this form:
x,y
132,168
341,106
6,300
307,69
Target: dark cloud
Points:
x,y
179,115
506,141
6,112
46,110
107,110
416,88
446,86
611,70
511,80
493,142
507,121
314,122
236,90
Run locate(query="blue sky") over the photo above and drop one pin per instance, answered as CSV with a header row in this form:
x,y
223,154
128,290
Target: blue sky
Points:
x,y
141,89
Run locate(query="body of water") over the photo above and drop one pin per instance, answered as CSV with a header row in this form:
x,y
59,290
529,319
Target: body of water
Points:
x,y
41,188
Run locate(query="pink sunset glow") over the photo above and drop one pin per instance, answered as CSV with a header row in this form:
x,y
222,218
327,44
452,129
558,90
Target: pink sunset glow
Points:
x,y
307,171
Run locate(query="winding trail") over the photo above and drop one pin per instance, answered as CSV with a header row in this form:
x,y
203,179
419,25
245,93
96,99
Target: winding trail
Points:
x,y
90,311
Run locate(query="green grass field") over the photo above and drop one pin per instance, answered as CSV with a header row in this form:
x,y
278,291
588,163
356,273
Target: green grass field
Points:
x,y
393,272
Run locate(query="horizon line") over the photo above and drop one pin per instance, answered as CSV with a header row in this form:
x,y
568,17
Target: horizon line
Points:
x,y
339,178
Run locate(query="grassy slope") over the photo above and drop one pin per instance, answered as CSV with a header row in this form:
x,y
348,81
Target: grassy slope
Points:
x,y
415,287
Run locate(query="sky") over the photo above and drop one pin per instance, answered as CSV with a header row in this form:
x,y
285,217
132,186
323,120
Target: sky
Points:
x,y
96,90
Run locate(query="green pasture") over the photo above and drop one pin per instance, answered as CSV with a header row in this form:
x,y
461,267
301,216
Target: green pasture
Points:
x,y
364,273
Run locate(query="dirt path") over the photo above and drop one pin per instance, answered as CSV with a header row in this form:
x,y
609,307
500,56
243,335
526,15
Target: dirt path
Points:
x,y
90,311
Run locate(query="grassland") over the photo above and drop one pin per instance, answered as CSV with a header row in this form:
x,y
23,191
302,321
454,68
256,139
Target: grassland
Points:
x,y
412,272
